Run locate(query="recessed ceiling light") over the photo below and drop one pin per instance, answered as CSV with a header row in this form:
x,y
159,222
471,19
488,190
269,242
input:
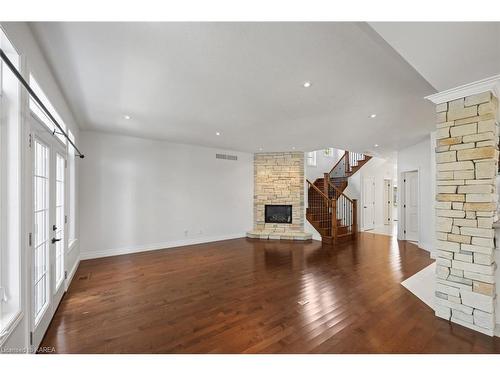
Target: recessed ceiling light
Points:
x,y
373,115
260,148
293,148
127,117
217,133
307,84
375,145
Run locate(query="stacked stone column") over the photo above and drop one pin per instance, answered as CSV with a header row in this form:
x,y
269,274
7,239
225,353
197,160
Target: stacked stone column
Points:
x,y
466,208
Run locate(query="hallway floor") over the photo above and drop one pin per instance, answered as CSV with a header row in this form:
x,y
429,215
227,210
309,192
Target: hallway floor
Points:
x,y
255,296
387,229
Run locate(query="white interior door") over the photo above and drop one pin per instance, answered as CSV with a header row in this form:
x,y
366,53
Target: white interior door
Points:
x,y
410,206
48,235
368,203
387,201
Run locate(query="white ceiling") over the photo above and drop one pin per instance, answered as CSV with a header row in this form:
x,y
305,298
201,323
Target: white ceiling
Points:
x,y
446,54
183,82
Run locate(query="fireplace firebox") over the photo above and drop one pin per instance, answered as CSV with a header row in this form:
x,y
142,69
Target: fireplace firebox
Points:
x,y
278,213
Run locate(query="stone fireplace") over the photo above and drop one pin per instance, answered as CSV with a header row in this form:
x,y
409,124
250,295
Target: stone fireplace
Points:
x,y
279,196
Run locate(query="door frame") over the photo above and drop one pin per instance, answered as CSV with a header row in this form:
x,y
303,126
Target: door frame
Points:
x,y
37,129
363,226
402,201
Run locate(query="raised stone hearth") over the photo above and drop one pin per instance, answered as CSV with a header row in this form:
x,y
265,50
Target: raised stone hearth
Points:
x,y
279,180
266,235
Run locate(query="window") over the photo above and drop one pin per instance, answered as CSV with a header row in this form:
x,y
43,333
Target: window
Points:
x,y
329,152
35,109
72,191
10,192
311,158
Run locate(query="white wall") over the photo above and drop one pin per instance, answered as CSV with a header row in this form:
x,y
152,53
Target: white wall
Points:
x,y
420,157
32,59
139,194
324,164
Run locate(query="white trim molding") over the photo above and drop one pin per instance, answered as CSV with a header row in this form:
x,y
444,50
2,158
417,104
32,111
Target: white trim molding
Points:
x,y
10,327
72,244
427,247
72,272
157,246
488,84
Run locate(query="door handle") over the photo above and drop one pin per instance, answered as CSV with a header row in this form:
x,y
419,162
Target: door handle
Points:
x,y
54,240
54,228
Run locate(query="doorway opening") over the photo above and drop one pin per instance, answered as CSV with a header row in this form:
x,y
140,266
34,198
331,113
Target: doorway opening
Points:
x,y
378,209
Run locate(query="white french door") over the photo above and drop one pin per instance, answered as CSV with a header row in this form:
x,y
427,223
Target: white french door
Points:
x,y
48,236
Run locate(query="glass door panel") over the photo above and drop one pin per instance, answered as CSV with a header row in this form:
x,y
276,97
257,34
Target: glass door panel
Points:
x,y
41,230
59,225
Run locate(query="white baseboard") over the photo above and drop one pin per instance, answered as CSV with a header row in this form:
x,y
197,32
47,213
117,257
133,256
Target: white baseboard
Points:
x,y
310,229
157,246
426,247
316,236
72,272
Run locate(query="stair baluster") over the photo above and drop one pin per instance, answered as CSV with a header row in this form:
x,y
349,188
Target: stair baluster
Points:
x,y
331,211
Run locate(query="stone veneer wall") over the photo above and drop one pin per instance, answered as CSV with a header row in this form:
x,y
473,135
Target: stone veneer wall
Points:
x,y
466,207
279,179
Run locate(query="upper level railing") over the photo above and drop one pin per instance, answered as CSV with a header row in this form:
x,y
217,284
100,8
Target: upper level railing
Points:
x,y
344,167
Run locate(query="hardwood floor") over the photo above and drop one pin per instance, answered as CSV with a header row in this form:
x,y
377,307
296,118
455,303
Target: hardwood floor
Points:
x,y
251,296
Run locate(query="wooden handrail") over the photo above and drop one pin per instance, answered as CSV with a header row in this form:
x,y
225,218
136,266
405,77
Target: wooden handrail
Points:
x,y
337,163
317,189
339,192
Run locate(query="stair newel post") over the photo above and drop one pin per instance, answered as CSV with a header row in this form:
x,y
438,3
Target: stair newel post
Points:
x,y
347,163
355,217
333,204
326,179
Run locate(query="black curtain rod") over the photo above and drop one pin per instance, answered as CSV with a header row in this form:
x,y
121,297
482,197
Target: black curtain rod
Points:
x,y
37,99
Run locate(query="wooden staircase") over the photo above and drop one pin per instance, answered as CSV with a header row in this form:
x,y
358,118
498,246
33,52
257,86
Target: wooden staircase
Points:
x,y
332,213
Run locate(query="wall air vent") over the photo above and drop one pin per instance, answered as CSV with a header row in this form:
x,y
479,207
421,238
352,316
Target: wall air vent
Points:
x,y
226,157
